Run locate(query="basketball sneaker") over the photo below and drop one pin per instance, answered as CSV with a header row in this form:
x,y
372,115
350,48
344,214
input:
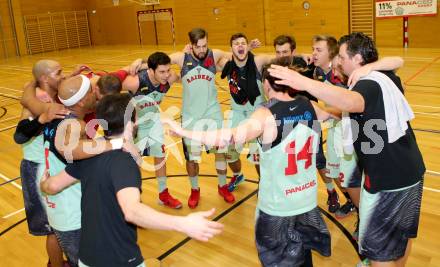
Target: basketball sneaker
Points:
x,y
224,192
167,200
235,181
194,198
345,210
333,201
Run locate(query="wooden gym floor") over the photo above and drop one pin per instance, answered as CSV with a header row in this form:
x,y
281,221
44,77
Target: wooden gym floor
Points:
x,y
235,247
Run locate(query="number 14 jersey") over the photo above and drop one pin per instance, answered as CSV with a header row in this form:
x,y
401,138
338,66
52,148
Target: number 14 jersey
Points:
x,y
288,183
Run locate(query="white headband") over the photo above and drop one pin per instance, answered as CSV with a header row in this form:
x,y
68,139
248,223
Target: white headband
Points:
x,y
85,85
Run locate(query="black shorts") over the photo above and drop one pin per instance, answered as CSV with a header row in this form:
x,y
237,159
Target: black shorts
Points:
x,y
321,162
69,243
35,212
387,220
282,241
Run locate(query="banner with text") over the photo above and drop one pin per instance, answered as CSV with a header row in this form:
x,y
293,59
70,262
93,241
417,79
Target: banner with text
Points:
x,y
405,8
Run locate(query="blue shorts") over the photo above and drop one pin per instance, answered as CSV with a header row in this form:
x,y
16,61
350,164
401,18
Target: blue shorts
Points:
x,y
35,212
69,243
282,241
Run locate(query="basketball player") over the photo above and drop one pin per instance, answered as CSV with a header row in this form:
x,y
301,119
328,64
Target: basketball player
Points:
x,y
148,88
342,166
102,83
285,46
393,166
63,209
111,204
289,224
28,134
200,108
243,73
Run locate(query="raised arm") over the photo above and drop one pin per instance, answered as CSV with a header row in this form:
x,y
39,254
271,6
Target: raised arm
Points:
x,y
195,225
30,100
131,83
254,43
221,58
177,58
343,99
386,63
263,59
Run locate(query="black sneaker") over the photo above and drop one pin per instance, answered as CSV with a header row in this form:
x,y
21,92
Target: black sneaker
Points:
x,y
333,201
345,210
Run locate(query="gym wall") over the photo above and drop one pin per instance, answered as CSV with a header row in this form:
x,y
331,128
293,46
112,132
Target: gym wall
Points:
x,y
263,19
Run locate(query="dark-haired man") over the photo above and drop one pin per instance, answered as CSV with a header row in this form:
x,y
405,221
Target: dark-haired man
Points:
x,y
285,46
63,210
200,108
243,74
108,84
148,88
385,143
111,205
28,133
288,224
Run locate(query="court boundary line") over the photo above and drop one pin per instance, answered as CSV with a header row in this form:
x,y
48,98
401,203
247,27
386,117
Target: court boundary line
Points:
x,y
13,213
431,189
423,106
10,181
221,215
224,213
4,177
10,96
427,114
425,86
421,70
233,207
12,226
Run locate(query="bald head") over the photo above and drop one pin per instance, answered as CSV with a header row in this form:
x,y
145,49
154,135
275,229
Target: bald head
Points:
x,y
44,67
69,87
75,90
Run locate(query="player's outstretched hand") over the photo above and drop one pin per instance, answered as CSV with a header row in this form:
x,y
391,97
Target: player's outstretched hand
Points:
x,y
173,127
197,225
